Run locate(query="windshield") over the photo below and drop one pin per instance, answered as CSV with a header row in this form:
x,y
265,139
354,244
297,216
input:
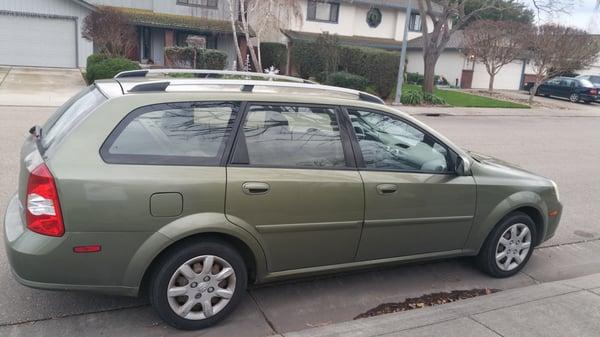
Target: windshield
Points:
x,y
69,114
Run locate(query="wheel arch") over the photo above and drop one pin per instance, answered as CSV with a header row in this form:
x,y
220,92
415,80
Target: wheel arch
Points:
x,y
526,202
192,228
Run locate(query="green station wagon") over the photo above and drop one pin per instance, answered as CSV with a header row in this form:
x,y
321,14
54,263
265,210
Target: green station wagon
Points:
x,y
188,189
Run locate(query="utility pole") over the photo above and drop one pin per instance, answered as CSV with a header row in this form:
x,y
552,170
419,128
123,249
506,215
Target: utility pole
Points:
x,y
397,101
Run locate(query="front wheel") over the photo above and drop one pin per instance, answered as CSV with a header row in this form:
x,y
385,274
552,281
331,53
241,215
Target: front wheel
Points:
x,y
509,246
198,284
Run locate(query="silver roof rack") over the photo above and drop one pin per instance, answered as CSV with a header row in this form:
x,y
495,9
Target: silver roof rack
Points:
x,y
210,74
244,86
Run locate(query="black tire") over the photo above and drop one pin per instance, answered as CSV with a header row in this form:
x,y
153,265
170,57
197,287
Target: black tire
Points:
x,y
169,264
486,260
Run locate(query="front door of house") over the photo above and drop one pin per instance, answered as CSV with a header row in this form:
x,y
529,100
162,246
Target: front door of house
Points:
x,y
466,79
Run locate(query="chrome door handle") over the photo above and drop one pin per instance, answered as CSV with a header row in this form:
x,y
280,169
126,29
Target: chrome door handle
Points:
x,y
254,188
385,189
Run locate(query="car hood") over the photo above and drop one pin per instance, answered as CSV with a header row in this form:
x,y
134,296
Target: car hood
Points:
x,y
505,167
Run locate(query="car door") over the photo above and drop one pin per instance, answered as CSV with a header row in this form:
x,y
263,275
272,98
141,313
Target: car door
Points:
x,y
549,87
414,202
565,87
295,182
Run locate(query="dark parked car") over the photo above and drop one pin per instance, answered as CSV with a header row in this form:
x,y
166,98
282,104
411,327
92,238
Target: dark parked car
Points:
x,y
575,89
595,79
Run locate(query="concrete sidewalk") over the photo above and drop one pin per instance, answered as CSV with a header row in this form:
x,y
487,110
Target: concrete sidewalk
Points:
x,y
562,308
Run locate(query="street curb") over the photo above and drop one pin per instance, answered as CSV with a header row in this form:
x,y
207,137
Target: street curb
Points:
x,y
397,322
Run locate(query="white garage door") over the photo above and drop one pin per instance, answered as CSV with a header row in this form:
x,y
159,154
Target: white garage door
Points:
x,y
37,41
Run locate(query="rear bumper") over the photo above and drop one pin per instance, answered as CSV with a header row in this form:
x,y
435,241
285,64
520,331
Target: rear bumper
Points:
x,y
45,262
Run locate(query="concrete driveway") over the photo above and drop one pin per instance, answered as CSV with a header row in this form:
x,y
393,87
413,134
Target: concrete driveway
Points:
x,y
556,145
38,86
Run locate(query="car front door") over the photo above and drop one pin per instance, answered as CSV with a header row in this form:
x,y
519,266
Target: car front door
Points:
x,y
414,202
294,180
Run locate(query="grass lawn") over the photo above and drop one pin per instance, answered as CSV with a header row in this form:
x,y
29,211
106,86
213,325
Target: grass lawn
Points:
x,y
462,99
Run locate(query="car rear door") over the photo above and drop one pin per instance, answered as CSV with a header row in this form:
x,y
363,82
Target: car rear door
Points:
x,y
414,202
294,180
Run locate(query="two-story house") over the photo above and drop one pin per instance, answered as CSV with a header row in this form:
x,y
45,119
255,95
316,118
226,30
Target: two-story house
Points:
x,y
47,33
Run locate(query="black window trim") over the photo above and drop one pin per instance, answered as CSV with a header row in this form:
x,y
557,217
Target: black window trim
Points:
x,y
157,160
337,17
238,155
186,3
411,22
451,156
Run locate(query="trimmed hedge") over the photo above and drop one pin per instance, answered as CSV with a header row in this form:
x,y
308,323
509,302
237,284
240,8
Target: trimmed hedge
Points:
x,y
346,80
211,59
274,54
103,68
183,57
379,67
307,60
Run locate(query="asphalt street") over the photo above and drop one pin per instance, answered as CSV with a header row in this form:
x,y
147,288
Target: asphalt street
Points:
x,y
562,148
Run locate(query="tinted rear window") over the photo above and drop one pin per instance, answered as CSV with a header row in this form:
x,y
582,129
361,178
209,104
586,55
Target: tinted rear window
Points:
x,y
69,114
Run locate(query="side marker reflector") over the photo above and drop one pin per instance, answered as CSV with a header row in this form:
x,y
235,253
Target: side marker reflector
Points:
x,y
87,249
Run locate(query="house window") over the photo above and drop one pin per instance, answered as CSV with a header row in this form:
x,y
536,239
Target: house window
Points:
x,y
199,3
415,22
323,11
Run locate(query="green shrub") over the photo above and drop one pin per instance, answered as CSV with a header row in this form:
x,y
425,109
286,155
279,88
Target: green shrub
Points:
x,y
108,68
414,78
274,54
211,59
412,97
183,57
318,59
96,58
346,80
307,60
433,99
379,67
180,57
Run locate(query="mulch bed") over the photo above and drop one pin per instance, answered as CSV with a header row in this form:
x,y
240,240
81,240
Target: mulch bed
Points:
x,y
428,300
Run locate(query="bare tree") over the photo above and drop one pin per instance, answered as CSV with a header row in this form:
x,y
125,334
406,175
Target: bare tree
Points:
x,y
110,30
496,44
271,16
447,16
557,49
233,18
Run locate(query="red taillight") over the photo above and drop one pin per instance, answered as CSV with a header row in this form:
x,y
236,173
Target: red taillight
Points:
x,y
594,92
43,208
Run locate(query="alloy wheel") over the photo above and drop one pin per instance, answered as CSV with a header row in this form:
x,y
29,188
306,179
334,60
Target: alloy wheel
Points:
x,y
513,247
574,98
201,287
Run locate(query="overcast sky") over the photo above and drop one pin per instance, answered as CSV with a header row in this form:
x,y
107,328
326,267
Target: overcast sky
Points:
x,y
583,15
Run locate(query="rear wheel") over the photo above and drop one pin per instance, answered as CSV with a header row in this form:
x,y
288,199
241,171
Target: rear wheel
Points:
x,y
574,98
509,246
198,284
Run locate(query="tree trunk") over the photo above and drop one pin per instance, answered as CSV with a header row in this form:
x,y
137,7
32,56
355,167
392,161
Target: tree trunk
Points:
x,y
491,84
255,60
533,90
430,59
232,12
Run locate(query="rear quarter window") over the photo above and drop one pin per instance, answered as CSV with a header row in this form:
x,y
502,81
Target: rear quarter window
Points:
x,y
67,116
172,134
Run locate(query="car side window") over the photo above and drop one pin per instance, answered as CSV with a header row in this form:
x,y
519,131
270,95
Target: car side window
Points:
x,y
173,133
292,136
389,143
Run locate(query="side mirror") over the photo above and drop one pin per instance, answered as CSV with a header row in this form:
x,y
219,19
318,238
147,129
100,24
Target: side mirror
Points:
x,y
463,166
